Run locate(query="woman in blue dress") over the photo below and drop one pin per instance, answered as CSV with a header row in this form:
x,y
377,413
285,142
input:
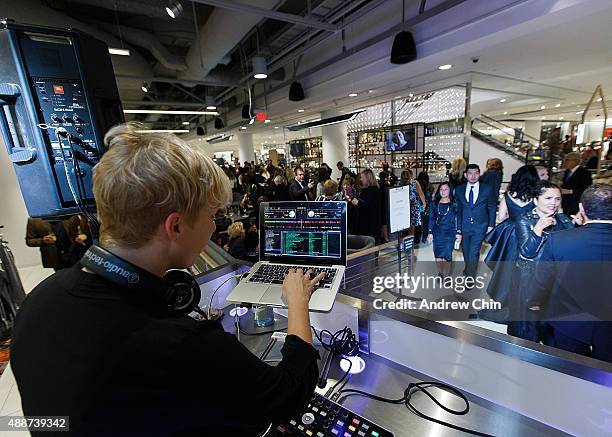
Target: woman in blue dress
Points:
x,y
443,228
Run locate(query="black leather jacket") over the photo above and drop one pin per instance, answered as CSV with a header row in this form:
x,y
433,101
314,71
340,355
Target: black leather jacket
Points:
x,y
529,244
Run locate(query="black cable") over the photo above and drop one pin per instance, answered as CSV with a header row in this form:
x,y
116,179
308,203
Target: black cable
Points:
x,y
422,387
268,348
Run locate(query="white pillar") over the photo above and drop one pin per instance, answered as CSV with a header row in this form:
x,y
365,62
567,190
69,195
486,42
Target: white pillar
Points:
x,y
335,144
246,152
533,129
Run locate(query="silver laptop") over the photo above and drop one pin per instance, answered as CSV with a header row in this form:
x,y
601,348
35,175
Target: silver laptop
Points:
x,y
308,235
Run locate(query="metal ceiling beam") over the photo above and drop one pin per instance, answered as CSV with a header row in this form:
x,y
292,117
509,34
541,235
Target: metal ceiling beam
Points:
x,y
276,15
163,103
180,81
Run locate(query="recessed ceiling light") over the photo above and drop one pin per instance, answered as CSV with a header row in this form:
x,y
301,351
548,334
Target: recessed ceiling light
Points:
x,y
299,122
300,110
561,118
370,91
185,123
410,95
243,127
118,51
599,99
211,108
557,105
445,67
502,101
579,112
266,121
352,95
275,127
543,107
505,112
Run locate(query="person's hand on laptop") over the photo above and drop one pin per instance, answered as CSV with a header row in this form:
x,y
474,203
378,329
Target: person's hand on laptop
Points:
x,y
297,286
297,289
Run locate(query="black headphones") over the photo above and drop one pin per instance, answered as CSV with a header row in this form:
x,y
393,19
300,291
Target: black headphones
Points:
x,y
177,289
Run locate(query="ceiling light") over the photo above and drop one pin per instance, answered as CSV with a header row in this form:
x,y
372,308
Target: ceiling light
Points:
x,y
398,97
117,51
144,87
370,91
275,127
445,67
403,49
352,95
174,8
543,107
502,101
160,111
260,68
185,123
506,112
579,112
243,127
599,99
561,118
543,117
266,121
410,95
211,105
557,105
300,110
167,131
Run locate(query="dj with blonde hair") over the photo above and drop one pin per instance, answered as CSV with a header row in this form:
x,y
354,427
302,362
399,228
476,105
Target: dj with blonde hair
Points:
x,y
109,342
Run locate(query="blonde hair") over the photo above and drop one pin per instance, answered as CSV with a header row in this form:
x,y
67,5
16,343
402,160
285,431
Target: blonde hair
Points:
x,y
368,179
330,187
235,229
458,166
405,177
143,177
494,164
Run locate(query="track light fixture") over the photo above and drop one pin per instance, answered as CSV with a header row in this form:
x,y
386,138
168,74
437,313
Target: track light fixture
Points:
x,y
174,8
144,87
260,67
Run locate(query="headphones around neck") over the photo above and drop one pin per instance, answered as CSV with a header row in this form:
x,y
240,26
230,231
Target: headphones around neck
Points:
x,y
177,289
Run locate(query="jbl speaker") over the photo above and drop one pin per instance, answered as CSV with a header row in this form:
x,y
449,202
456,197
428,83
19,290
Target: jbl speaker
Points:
x,y
296,92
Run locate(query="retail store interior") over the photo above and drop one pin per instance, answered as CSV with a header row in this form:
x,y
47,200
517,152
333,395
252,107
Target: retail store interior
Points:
x,y
287,83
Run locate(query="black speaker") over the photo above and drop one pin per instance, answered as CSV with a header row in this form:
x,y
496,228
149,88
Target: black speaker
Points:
x,y
404,48
296,92
200,131
219,123
246,112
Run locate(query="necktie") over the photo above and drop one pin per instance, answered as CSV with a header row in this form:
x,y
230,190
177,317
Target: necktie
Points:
x,y
471,195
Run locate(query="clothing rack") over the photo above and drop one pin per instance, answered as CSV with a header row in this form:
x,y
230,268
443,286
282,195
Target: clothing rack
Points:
x,y
12,293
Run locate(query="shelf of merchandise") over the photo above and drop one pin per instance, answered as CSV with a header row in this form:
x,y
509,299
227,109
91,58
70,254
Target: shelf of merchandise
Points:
x,y
313,152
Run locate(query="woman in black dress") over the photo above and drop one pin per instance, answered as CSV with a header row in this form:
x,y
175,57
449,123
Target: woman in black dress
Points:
x,y
443,228
368,204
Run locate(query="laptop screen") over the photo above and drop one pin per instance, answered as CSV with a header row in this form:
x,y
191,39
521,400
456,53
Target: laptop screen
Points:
x,y
311,232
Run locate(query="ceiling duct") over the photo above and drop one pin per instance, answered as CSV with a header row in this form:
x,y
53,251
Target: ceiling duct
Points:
x,y
325,121
223,30
148,41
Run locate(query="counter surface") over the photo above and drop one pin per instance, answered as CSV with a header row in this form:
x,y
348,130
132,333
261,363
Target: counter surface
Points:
x,y
387,379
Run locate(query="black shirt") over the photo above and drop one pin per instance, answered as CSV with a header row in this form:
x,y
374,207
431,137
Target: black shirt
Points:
x,y
115,362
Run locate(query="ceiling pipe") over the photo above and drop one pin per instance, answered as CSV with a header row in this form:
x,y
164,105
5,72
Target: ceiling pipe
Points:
x,y
148,41
138,7
276,15
180,81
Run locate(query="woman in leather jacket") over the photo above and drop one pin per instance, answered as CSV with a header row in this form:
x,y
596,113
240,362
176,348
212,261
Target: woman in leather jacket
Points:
x,y
532,231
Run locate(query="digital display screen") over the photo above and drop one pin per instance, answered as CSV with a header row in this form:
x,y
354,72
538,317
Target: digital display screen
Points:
x,y
304,229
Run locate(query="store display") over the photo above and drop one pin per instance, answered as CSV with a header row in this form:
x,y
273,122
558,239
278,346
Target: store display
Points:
x,y
308,150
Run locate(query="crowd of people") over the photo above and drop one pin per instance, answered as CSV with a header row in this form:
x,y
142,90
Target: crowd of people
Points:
x,y
462,212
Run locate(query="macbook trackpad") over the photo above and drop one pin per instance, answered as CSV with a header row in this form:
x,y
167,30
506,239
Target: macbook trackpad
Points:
x,y
273,296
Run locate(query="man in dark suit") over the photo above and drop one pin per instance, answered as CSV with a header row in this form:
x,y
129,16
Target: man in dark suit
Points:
x,y
55,240
576,179
573,279
476,203
299,189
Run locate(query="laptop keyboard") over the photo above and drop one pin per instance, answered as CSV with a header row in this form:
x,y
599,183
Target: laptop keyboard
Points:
x,y
275,274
